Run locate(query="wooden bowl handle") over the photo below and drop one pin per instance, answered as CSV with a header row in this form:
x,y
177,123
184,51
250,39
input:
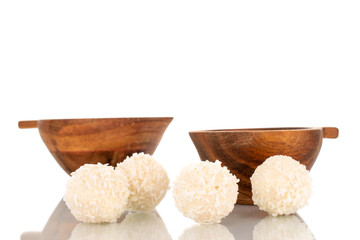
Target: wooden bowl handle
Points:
x,y
28,124
330,132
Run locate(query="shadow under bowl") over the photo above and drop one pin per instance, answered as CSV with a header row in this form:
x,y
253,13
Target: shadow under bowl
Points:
x,y
75,142
242,150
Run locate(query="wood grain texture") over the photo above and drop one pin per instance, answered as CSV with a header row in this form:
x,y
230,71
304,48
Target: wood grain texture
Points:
x,y
242,150
75,142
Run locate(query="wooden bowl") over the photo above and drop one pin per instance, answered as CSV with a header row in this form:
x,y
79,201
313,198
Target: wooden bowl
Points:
x,y
75,142
242,150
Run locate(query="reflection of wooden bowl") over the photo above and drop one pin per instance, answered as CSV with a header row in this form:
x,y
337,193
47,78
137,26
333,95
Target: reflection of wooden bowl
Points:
x,y
242,220
59,225
75,142
242,150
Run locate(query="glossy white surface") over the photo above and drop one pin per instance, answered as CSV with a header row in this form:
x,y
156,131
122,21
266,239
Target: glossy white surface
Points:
x,y
244,222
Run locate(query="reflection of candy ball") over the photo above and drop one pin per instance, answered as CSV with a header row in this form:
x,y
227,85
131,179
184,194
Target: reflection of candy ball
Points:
x,y
205,191
207,232
96,193
148,181
135,226
142,225
282,228
90,231
281,185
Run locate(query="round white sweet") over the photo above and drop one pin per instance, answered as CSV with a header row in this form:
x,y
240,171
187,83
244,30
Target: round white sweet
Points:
x,y
281,185
96,193
148,181
205,191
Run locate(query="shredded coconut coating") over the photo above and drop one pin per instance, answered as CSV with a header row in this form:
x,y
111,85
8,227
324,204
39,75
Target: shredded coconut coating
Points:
x,y
205,191
207,232
96,193
282,228
281,185
148,181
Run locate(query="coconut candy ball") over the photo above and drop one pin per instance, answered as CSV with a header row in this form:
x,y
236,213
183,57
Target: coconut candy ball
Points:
x,y
96,193
205,191
148,181
281,185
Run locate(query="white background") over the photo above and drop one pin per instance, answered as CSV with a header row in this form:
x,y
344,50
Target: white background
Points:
x,y
209,64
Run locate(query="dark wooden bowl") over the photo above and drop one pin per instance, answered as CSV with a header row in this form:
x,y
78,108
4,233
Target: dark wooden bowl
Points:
x,y
75,142
242,150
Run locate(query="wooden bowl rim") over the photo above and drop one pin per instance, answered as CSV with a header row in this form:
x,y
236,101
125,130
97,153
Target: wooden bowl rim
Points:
x,y
272,129
98,119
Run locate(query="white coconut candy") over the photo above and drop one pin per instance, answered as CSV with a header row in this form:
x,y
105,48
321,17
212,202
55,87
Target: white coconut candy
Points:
x,y
96,193
148,181
281,185
205,191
